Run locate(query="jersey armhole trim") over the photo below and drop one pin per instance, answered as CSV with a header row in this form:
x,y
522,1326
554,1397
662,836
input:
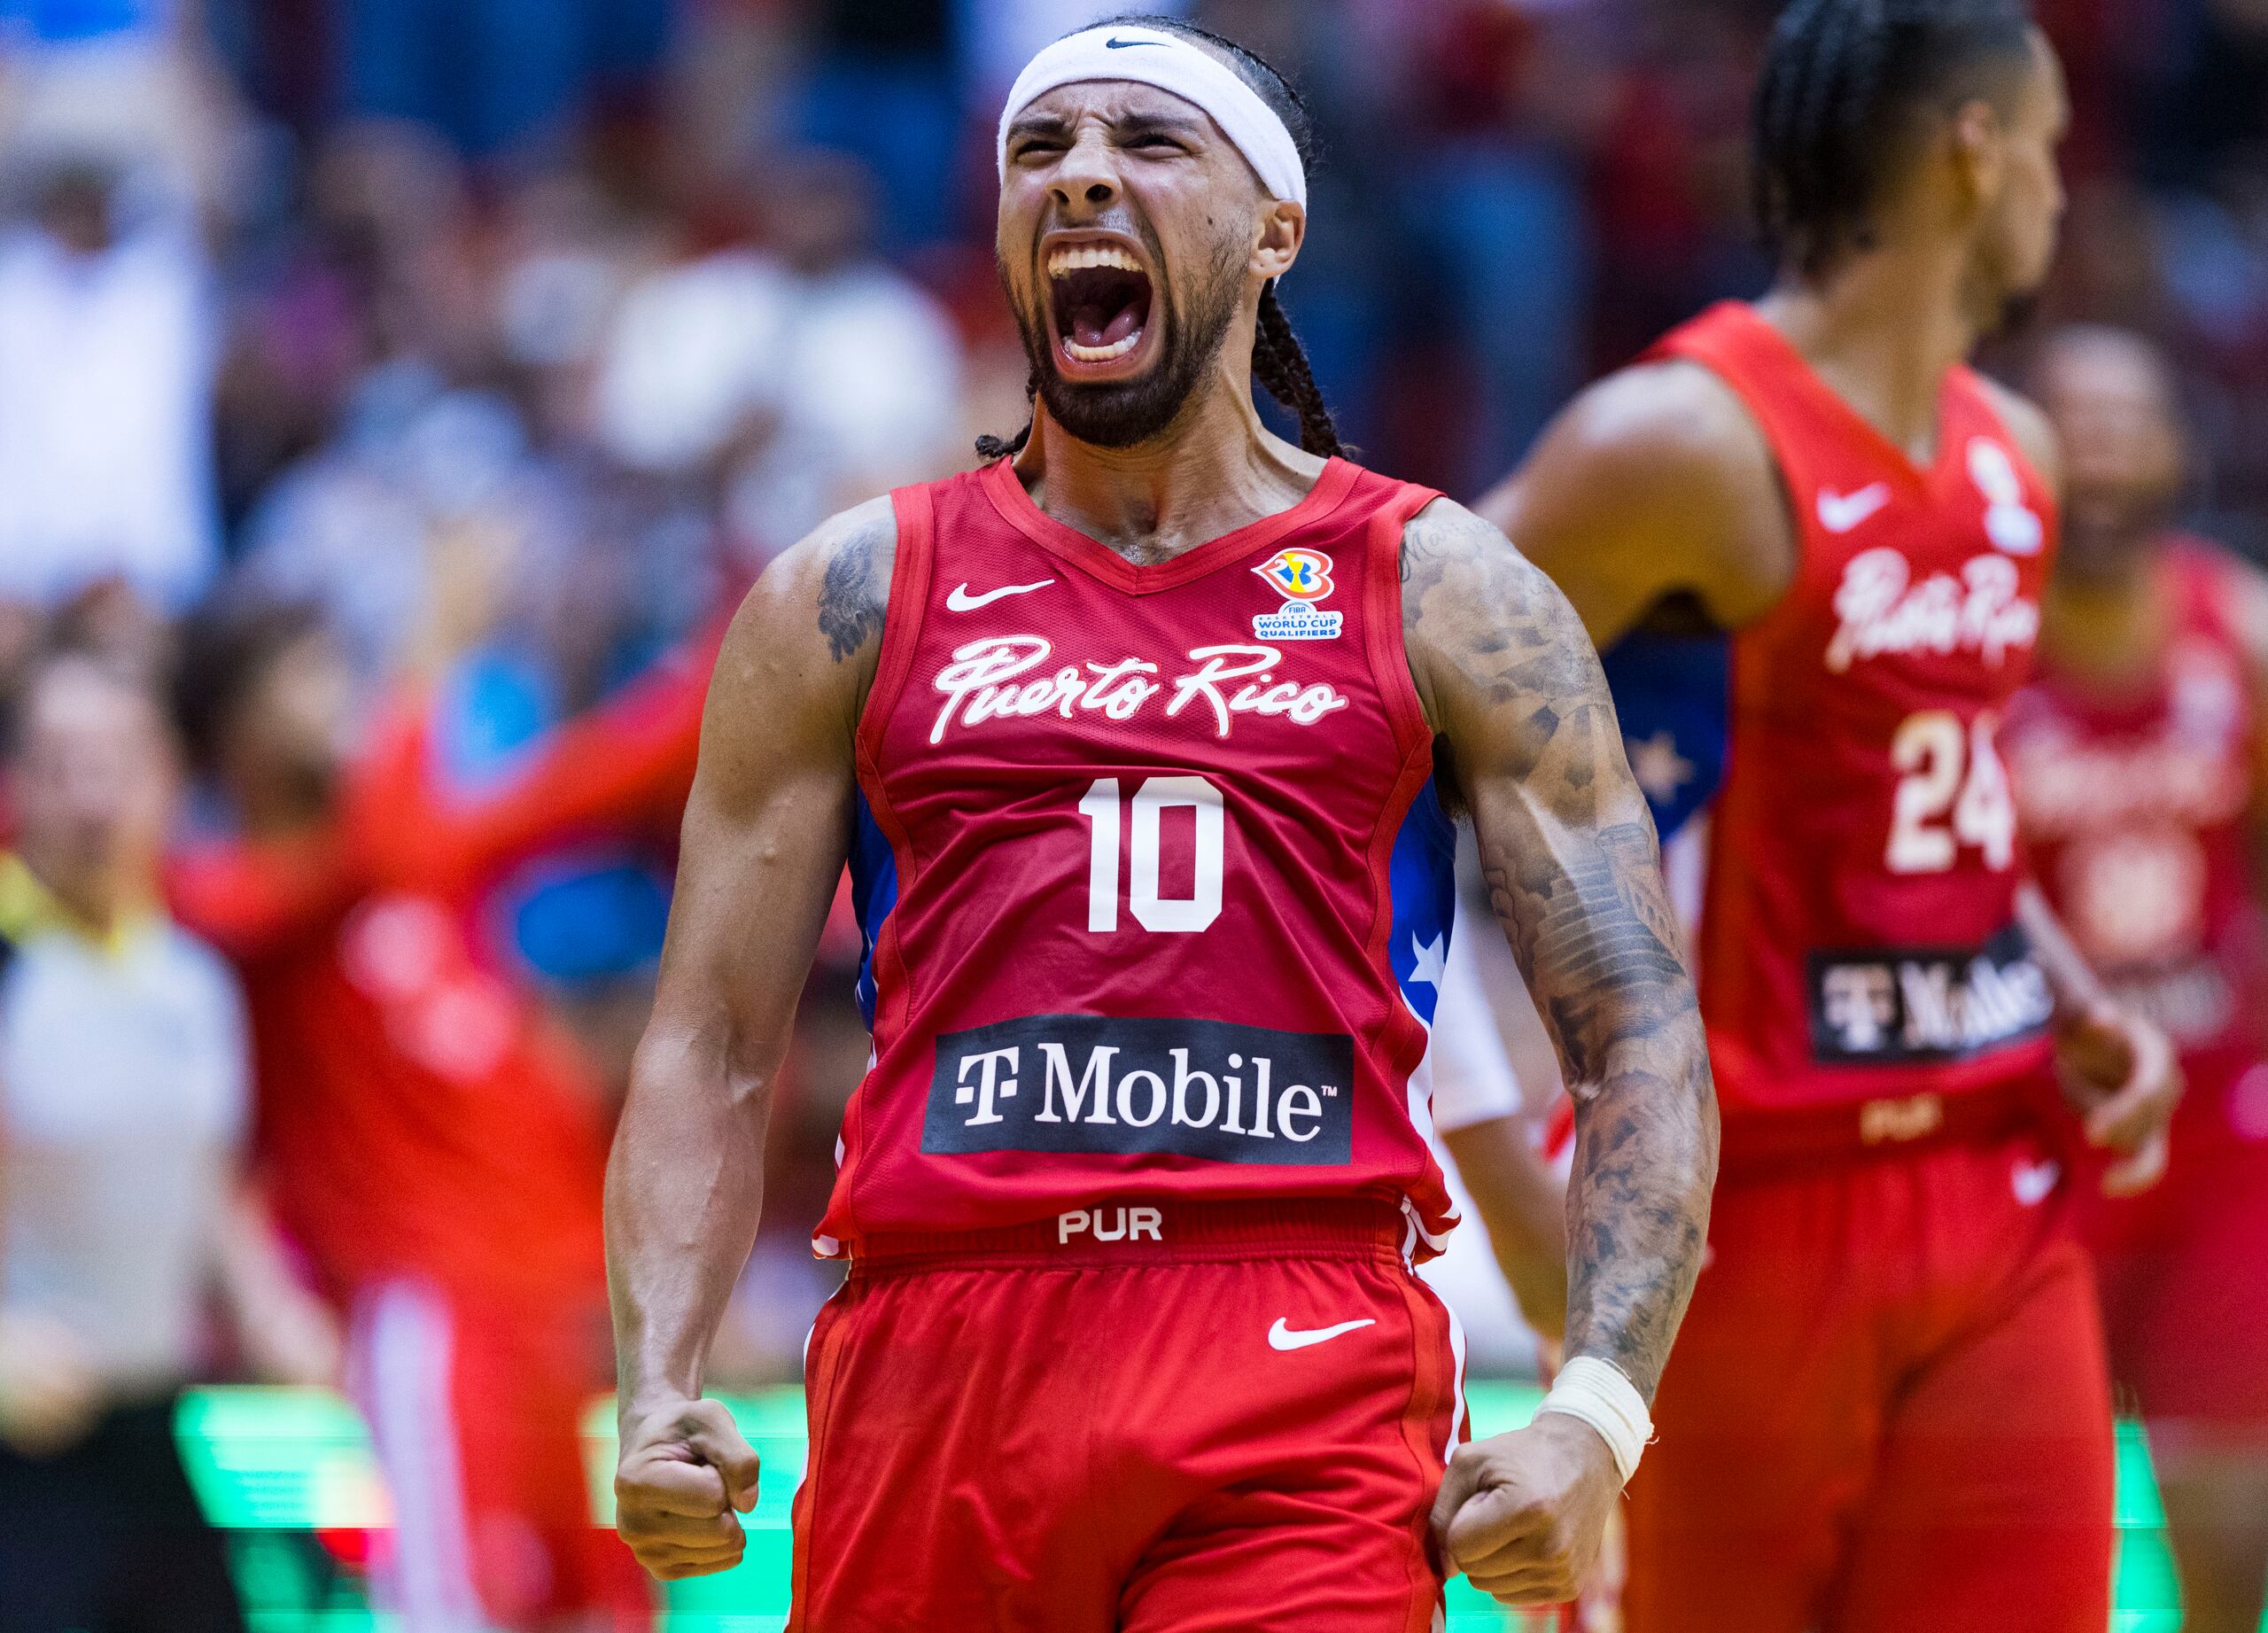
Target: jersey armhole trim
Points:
x,y
902,621
1382,615
1400,1036
903,614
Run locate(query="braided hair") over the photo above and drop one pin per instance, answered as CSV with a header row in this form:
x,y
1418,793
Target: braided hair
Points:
x,y
1279,362
1842,84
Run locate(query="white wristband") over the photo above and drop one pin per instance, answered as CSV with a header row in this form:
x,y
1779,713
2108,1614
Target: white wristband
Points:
x,y
1597,1392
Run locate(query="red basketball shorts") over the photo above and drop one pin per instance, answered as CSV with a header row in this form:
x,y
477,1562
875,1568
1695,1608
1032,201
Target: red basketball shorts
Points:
x,y
1887,1410
1226,1417
2185,1270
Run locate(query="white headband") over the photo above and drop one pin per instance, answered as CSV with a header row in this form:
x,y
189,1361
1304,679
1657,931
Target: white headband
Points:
x,y
1152,56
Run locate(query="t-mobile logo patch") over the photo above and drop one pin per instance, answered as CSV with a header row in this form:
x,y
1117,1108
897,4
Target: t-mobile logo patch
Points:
x,y
1082,1083
1893,1004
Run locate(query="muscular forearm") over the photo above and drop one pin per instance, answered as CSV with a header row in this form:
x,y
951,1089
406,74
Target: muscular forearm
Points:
x,y
1638,1199
684,1191
1573,874
1597,934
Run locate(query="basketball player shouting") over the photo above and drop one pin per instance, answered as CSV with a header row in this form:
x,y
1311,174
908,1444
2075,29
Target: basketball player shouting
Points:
x,y
1131,741
1889,1409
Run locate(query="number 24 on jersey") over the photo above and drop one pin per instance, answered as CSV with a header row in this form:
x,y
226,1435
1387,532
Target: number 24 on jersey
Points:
x,y
1955,792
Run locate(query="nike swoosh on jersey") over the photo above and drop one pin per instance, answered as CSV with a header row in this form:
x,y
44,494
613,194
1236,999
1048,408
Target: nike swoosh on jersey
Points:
x,y
959,600
1839,513
1115,43
1281,1336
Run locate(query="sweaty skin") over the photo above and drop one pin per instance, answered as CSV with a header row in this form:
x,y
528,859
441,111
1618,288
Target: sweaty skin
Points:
x,y
765,823
1508,680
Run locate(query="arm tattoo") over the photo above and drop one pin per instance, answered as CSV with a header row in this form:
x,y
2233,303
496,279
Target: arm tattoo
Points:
x,y
1567,849
850,603
1594,922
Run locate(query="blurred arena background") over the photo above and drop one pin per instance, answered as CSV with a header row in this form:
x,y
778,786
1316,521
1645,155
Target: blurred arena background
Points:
x,y
513,337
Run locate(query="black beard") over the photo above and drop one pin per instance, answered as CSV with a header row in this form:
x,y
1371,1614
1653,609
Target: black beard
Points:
x,y
1124,412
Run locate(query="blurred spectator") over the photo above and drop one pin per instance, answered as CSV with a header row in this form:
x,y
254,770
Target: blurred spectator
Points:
x,y
1495,215
410,528
122,1113
999,37
106,351
430,1141
804,377
132,84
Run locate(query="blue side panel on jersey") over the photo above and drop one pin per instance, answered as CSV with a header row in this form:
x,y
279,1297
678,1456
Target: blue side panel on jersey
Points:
x,y
874,892
1421,878
1674,695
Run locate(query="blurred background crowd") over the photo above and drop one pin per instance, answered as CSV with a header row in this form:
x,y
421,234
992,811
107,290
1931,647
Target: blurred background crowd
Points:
x,y
406,388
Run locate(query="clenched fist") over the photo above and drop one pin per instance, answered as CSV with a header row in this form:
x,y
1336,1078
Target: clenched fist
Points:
x,y
685,1477
2121,1075
1522,1514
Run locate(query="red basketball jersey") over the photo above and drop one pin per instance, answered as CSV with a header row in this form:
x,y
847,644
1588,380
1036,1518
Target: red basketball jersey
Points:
x,y
1858,939
1154,882
2133,810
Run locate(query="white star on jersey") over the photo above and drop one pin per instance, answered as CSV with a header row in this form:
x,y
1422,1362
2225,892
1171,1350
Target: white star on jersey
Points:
x,y
1432,961
1660,769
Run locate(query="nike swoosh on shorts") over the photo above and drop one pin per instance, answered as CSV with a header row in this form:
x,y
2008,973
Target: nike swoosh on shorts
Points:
x,y
1282,1337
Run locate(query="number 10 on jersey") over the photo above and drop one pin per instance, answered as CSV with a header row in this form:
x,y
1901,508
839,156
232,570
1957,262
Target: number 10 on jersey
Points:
x,y
1102,807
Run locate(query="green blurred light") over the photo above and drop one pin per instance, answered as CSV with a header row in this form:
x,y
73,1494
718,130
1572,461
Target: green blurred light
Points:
x,y
281,1460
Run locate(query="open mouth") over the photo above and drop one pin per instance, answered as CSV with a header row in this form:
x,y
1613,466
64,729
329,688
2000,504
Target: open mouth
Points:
x,y
1100,300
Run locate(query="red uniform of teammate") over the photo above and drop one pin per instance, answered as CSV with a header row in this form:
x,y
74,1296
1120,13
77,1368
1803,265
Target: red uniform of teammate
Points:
x,y
1887,1410
2137,810
1870,996
428,1141
2137,755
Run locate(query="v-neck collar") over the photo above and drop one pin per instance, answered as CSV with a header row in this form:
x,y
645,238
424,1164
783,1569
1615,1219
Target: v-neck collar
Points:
x,y
1833,405
1061,539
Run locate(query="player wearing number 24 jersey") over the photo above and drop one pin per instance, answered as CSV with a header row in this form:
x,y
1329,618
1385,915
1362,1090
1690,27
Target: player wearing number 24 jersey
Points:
x,y
1139,743
1888,1410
